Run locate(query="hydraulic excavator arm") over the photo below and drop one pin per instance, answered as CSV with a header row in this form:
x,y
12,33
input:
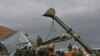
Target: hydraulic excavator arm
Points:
x,y
61,38
57,39
51,13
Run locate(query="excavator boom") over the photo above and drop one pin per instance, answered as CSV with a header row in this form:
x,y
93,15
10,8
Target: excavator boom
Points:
x,y
51,13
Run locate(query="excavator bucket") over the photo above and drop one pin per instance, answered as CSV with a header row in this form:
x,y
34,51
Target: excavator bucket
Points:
x,y
50,12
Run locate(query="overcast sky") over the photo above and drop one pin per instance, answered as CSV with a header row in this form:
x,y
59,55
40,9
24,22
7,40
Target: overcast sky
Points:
x,y
26,16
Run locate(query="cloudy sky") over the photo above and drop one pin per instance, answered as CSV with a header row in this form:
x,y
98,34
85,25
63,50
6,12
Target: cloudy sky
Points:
x,y
26,16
